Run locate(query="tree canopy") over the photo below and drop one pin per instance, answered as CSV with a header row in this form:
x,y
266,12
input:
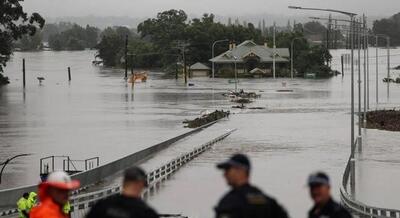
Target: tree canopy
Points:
x,y
14,23
75,38
390,27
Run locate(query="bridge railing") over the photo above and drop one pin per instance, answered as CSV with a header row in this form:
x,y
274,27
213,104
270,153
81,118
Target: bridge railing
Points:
x,y
358,207
154,177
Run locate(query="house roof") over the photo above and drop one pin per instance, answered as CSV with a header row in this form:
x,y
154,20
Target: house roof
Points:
x,y
257,70
199,66
249,48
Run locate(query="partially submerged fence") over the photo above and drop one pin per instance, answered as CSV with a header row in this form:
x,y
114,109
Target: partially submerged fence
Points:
x,y
81,203
9,197
358,207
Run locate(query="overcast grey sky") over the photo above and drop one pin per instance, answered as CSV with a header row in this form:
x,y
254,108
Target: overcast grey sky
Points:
x,y
148,8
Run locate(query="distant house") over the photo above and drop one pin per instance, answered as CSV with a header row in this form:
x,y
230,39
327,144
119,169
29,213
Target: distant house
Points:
x,y
251,58
199,70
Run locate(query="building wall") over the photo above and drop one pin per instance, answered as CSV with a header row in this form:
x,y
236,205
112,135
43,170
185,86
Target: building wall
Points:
x,y
199,73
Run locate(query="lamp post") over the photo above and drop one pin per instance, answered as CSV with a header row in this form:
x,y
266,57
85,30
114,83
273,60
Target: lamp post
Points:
x,y
388,63
212,50
234,57
352,16
291,54
8,161
274,54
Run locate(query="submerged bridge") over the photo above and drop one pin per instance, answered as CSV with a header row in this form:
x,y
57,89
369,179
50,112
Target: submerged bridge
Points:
x,y
91,180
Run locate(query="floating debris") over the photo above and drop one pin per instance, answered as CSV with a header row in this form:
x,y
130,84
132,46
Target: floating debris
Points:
x,y
242,100
383,120
242,106
390,80
284,90
206,118
241,94
256,108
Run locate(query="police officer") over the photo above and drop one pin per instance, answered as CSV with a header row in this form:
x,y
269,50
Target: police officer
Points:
x,y
244,200
22,204
324,205
128,204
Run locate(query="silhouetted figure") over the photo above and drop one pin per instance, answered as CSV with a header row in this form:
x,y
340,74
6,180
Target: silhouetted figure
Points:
x,y
245,200
128,204
324,205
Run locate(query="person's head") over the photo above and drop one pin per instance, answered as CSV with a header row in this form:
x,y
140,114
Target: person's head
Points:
x,y
236,170
58,186
135,180
320,189
25,195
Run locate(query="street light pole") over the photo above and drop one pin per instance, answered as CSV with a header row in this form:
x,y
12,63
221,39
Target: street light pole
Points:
x,y
8,161
352,20
388,65
365,69
274,54
234,57
213,45
377,70
292,55
359,78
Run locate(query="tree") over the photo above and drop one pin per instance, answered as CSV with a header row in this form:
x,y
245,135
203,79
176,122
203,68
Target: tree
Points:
x,y
30,43
111,45
14,23
74,38
389,27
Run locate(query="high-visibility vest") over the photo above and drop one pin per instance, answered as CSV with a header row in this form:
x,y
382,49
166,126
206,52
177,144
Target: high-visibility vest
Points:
x,y
67,208
22,205
31,202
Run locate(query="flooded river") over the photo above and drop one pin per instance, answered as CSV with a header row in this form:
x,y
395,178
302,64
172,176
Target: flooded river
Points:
x,y
98,114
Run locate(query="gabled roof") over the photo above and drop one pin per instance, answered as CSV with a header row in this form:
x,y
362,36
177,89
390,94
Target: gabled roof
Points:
x,y
249,47
199,66
257,70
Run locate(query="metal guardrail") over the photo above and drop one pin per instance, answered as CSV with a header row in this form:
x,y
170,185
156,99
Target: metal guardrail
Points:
x,y
85,201
88,179
358,207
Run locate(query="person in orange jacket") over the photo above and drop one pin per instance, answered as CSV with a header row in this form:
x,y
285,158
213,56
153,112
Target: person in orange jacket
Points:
x,y
53,195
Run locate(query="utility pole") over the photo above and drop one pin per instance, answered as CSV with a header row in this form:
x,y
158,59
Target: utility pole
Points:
x,y
377,70
388,65
23,72
182,46
184,63
365,68
359,77
126,57
274,53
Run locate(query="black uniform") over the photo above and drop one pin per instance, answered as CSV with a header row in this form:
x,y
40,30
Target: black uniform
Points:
x,y
119,206
248,202
330,210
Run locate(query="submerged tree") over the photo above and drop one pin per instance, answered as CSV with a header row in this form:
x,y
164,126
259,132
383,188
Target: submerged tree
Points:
x,y
14,23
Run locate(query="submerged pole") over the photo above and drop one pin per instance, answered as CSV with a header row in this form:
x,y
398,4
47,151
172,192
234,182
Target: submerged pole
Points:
x,y
23,72
69,74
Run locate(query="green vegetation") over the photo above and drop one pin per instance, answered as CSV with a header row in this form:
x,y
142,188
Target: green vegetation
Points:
x,y
390,27
30,43
161,40
75,38
15,24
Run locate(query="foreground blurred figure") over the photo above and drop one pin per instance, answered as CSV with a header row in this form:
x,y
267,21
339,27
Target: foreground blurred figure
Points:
x,y
128,204
53,195
244,200
324,205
